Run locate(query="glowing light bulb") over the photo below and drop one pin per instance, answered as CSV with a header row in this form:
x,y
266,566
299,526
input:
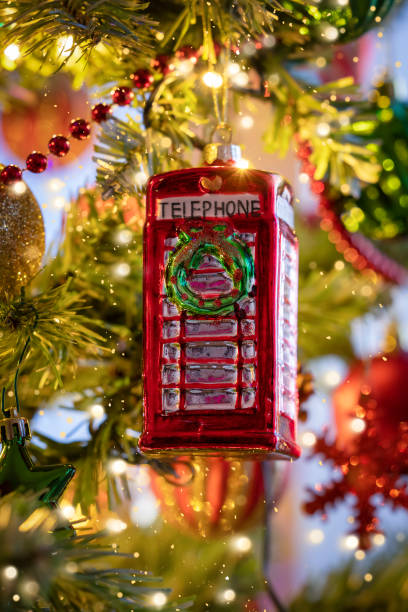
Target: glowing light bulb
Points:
x,y
357,425
159,599
240,79
115,525
323,129
121,270
308,439
118,467
350,542
243,164
19,187
12,52
242,544
247,122
228,595
213,80
378,539
10,572
68,511
233,68
140,178
315,536
97,411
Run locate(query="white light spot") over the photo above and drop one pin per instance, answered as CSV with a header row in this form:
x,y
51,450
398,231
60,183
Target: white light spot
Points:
x,y
140,178
118,467
332,378
315,536
330,33
228,595
122,270
159,599
10,572
323,129
12,52
350,542
243,164
233,68
378,539
241,79
65,45
68,511
213,80
241,544
308,439
115,525
55,184
97,411
19,187
357,425
247,122
304,178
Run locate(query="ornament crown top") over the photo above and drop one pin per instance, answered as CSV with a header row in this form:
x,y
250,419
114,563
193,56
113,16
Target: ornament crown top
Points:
x,y
14,427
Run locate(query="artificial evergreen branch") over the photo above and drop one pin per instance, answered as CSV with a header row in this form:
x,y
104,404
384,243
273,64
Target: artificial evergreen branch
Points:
x,y
56,569
36,26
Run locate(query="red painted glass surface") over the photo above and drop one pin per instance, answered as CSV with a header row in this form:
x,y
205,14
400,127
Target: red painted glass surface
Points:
x,y
220,314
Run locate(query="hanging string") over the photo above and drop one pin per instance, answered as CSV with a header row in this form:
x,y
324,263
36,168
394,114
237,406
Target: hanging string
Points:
x,y
5,411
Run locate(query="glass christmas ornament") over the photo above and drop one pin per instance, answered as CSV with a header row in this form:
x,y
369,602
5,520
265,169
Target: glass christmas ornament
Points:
x,y
17,470
220,311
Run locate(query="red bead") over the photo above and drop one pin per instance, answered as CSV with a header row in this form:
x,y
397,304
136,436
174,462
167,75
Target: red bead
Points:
x,y
10,174
123,96
162,64
36,162
187,53
80,128
142,78
101,112
59,145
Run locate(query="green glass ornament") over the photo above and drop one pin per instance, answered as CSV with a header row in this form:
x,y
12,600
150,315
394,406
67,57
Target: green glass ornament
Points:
x,y
17,471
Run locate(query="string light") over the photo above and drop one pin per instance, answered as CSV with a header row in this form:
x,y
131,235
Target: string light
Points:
x,y
350,542
97,411
10,572
316,536
323,129
241,544
308,439
12,52
118,467
115,525
158,599
359,555
212,79
378,539
247,122
121,270
357,425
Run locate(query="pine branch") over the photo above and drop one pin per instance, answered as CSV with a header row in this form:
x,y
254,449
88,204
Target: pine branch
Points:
x,y
36,26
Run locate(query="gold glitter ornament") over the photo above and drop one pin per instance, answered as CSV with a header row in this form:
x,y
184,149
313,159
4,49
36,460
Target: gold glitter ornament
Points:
x,y
22,238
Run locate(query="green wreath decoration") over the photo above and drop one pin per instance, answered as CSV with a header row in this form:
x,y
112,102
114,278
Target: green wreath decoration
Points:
x,y
234,256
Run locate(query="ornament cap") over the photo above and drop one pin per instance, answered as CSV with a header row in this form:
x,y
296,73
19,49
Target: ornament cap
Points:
x,y
222,149
14,426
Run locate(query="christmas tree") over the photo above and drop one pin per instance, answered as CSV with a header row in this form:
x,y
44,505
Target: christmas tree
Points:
x,y
186,331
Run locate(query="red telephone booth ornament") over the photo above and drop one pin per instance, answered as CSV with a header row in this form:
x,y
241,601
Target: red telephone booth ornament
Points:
x,y
220,312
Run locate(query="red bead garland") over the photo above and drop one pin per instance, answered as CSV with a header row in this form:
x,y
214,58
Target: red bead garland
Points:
x,y
36,162
11,174
59,145
142,78
122,96
80,129
101,112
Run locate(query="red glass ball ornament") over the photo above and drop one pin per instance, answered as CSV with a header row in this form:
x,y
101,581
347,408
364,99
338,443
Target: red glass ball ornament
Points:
x,y
122,96
101,112
36,162
11,174
187,53
80,129
142,78
383,384
59,145
163,64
